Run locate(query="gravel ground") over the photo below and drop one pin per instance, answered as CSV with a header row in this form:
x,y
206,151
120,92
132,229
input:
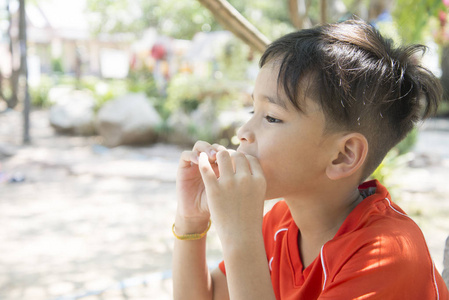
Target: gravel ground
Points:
x,y
82,221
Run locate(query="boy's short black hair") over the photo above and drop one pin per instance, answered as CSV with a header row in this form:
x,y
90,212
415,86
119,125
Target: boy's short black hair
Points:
x,y
361,81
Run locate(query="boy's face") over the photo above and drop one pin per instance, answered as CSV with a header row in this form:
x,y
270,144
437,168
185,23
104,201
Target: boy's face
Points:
x,y
290,145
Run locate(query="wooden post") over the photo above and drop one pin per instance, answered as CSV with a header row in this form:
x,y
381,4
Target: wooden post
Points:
x,y
232,20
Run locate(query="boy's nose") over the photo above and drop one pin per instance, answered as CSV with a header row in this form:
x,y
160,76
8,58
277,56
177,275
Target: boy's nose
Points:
x,y
244,134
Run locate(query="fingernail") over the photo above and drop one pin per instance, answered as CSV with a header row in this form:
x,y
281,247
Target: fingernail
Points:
x,y
195,159
212,153
203,155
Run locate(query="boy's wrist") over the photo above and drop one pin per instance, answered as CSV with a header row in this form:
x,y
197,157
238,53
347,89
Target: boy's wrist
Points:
x,y
185,226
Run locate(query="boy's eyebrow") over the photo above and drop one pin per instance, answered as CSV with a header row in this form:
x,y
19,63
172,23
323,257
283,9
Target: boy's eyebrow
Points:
x,y
273,100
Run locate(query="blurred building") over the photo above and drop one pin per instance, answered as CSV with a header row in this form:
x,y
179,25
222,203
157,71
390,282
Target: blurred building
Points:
x,y
59,39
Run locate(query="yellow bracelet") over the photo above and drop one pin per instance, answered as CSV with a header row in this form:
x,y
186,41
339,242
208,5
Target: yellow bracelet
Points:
x,y
191,236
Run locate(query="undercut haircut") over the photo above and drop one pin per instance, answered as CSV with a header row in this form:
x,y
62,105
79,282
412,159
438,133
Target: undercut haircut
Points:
x,y
359,79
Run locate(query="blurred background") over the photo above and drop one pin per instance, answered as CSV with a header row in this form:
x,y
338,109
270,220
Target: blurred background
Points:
x,y
99,97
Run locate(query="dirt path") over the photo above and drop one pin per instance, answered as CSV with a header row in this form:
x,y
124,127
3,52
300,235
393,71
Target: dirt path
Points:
x,y
90,222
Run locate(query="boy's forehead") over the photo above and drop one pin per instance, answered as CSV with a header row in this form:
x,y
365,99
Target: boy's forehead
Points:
x,y
273,99
268,87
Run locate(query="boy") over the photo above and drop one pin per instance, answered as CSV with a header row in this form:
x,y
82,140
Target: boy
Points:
x,y
329,103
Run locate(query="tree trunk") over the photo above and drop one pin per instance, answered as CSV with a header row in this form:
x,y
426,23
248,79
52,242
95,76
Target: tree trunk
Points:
x,y
14,77
445,71
232,20
298,10
323,7
23,79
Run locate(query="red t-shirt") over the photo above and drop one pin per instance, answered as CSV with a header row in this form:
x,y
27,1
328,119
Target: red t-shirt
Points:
x,y
378,253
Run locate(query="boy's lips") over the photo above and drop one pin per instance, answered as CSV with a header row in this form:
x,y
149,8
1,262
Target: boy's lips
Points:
x,y
243,152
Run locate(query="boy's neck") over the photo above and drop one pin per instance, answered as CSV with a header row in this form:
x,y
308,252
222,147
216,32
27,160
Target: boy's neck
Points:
x,y
319,217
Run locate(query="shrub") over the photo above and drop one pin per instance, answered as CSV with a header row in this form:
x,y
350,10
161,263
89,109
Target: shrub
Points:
x,y
394,160
39,94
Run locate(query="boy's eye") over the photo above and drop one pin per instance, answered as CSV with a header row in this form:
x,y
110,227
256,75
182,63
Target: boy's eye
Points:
x,y
272,120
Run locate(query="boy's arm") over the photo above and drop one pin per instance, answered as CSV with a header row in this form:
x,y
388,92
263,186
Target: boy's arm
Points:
x,y
236,202
247,270
191,277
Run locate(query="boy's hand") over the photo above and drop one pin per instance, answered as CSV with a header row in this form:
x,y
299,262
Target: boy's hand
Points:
x,y
236,197
193,212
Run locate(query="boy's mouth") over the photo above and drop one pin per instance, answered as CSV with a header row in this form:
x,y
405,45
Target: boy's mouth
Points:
x,y
240,150
243,152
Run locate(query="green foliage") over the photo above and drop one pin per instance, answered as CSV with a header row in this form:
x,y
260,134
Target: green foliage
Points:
x,y
395,159
110,16
443,109
272,19
178,19
407,144
107,90
102,90
412,18
205,131
390,31
182,19
56,65
234,61
187,92
142,81
39,94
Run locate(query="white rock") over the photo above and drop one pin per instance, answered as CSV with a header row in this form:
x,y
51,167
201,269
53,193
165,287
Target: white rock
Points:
x,y
129,119
205,123
74,113
58,93
178,124
204,120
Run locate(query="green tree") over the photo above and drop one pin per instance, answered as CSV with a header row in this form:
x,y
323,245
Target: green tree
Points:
x,y
178,19
413,16
417,19
182,19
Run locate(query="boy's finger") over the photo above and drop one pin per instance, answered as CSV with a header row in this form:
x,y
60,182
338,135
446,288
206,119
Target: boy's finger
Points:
x,y
187,157
241,164
207,173
256,168
218,147
201,146
224,162
210,150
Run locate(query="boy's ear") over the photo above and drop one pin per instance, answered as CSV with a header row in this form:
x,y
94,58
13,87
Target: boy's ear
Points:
x,y
352,150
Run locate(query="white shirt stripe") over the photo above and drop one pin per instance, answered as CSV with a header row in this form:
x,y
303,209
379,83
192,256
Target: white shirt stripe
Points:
x,y
324,268
435,281
280,230
389,204
433,264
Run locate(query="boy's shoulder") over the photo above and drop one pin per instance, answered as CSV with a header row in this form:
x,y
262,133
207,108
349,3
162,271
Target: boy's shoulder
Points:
x,y
378,230
376,218
278,216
